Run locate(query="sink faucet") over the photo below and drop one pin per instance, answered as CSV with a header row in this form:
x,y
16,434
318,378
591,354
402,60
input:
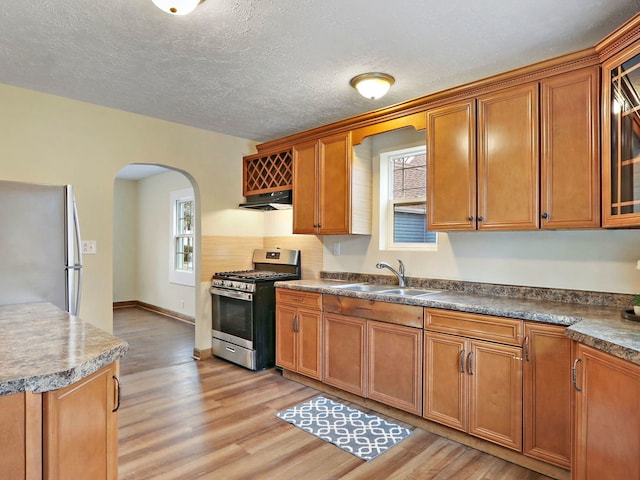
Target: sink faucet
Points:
x,y
402,281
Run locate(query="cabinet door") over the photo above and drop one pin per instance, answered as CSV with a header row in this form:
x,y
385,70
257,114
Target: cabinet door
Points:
x,y
305,184
309,324
395,365
547,394
335,184
345,353
445,380
621,139
286,338
21,436
570,150
495,393
508,159
451,167
80,434
607,417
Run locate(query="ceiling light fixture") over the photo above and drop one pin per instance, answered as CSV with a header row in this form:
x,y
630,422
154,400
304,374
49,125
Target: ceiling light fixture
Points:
x,y
372,85
177,7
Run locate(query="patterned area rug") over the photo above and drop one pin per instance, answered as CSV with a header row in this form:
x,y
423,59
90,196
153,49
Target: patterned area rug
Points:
x,y
365,436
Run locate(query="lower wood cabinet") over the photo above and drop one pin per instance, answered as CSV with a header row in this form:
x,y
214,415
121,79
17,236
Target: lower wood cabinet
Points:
x,y
70,433
547,394
474,386
80,429
471,383
299,332
374,359
607,417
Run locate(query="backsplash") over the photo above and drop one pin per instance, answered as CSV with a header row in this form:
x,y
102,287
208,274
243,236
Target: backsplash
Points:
x,y
514,291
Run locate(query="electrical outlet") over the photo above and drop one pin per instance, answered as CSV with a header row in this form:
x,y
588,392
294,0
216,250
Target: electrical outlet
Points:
x,y
89,247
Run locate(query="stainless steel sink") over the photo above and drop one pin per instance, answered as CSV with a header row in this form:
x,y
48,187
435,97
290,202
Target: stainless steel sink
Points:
x,y
386,289
408,291
363,287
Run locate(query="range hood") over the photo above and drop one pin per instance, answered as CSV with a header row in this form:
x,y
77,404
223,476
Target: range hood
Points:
x,y
269,201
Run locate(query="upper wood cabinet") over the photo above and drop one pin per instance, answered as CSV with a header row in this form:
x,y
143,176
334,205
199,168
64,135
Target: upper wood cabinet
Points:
x,y
570,156
621,139
487,172
267,172
331,188
503,195
508,159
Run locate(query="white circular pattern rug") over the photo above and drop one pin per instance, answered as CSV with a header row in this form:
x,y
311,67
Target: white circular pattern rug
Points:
x,y
365,436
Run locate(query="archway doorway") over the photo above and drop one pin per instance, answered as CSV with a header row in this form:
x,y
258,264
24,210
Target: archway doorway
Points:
x,y
155,266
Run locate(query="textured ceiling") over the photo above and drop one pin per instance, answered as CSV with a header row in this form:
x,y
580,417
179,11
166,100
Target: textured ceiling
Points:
x,y
262,69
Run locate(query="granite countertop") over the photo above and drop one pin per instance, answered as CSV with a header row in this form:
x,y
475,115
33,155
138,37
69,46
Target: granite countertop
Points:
x,y
43,348
598,326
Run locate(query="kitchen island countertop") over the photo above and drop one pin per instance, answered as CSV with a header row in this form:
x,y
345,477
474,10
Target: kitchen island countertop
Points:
x,y
600,327
43,348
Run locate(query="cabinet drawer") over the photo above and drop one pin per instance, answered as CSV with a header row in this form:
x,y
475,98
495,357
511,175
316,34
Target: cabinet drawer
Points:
x,y
299,299
409,315
484,327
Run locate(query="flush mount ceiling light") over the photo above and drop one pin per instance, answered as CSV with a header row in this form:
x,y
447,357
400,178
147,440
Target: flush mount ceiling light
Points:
x,y
177,7
372,85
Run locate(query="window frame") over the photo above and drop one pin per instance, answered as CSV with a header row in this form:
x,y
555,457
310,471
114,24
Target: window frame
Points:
x,y
386,227
176,275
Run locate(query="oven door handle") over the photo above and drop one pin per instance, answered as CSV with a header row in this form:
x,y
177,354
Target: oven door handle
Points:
x,y
246,296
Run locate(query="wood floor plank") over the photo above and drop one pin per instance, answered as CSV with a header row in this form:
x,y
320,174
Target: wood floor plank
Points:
x,y
183,420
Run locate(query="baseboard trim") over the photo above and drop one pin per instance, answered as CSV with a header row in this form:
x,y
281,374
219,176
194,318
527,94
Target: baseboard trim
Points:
x,y
156,309
444,431
202,354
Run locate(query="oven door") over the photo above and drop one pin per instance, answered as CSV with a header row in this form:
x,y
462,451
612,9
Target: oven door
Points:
x,y
232,316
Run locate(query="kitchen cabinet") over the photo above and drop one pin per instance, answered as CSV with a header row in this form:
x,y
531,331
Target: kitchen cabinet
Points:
x,y
345,353
80,428
472,382
21,436
607,416
485,170
374,358
71,432
621,138
267,172
547,393
504,194
299,332
394,370
570,156
331,188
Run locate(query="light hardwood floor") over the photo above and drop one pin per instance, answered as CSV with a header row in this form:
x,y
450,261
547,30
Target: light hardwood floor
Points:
x,y
181,419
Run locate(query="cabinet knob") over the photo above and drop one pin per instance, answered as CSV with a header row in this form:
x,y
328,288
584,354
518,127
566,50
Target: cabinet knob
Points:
x,y
481,219
471,218
545,215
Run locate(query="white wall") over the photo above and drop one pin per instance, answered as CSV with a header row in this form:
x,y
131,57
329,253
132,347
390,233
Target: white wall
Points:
x,y
49,139
125,241
595,260
154,241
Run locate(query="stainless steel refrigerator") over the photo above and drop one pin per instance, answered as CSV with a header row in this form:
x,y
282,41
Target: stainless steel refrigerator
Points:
x,y
40,246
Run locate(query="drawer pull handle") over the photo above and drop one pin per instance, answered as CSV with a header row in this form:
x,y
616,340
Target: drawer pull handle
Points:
x,y
117,382
470,363
230,349
462,361
526,348
574,374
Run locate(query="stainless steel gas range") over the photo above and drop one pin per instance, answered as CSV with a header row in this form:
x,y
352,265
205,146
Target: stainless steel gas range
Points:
x,y
243,308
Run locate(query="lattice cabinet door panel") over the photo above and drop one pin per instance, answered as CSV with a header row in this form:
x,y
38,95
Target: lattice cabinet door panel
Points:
x,y
264,173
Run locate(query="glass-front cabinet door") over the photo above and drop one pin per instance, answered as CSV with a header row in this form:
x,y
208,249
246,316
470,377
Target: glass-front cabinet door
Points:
x,y
621,139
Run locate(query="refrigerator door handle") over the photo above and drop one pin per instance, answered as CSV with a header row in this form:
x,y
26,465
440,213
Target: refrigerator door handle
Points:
x,y
73,267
